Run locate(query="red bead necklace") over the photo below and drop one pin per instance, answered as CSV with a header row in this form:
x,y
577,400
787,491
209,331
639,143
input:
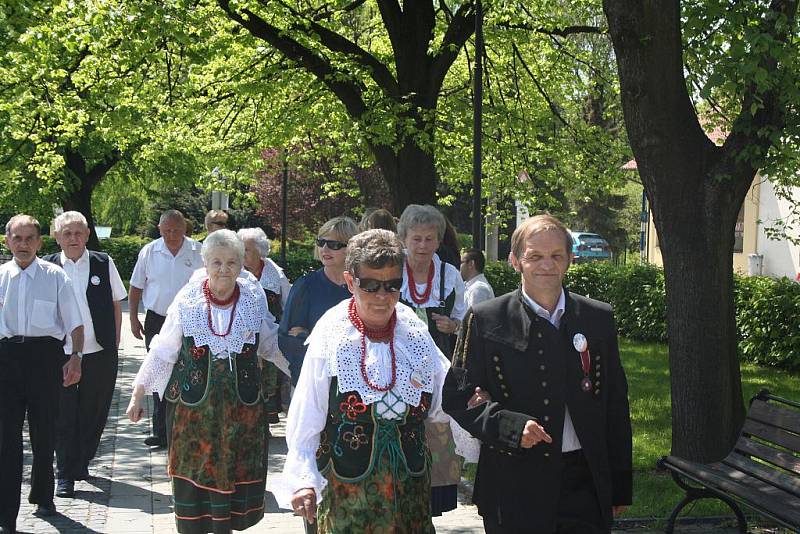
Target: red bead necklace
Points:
x,y
420,298
210,299
378,334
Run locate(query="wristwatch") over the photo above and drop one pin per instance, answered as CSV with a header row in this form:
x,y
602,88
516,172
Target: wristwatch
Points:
x,y
77,353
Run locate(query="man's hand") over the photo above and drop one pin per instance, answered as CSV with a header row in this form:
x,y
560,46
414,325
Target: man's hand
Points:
x,y
72,371
533,434
304,504
136,327
135,409
619,510
479,397
444,324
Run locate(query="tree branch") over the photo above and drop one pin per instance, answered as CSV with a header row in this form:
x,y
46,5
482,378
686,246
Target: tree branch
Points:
x,y
558,32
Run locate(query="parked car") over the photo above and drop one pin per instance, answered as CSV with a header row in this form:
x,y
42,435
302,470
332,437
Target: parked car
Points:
x,y
589,247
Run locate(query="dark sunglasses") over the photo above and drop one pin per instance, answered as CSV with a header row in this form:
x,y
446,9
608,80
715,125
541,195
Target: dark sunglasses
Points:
x,y
333,245
371,285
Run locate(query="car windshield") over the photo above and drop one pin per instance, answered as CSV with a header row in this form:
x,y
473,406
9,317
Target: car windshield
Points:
x,y
591,239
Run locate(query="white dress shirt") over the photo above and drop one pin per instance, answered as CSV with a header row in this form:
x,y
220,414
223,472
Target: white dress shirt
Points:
x,y
160,275
477,289
37,301
78,272
569,439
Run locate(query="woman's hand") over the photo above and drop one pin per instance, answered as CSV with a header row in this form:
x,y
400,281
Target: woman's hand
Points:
x,y
135,409
445,324
297,330
304,504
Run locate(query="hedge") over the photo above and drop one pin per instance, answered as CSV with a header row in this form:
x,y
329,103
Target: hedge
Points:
x,y
767,310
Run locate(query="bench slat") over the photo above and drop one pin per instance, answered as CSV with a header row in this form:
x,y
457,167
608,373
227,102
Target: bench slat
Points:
x,y
759,450
763,472
749,490
775,415
772,434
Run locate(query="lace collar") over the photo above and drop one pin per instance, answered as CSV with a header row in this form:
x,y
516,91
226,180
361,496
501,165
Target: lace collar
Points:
x,y
193,316
271,276
335,339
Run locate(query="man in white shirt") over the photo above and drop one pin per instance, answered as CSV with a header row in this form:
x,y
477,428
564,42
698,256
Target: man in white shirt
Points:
x,y
477,288
84,407
37,311
162,269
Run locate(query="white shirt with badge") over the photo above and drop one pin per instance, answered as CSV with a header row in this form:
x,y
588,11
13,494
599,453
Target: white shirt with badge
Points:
x,y
78,272
38,301
569,438
160,275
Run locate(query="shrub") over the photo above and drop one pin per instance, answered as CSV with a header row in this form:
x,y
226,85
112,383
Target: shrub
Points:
x,y
124,250
501,276
768,321
299,259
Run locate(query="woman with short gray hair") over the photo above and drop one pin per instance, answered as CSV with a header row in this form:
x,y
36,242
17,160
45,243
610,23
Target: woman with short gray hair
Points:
x,y
205,363
356,427
435,290
276,288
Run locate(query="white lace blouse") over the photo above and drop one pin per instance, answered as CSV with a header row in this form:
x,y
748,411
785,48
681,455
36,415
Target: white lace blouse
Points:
x,y
334,349
188,317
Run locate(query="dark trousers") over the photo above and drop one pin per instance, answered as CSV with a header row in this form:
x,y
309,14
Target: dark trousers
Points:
x,y
152,326
578,508
30,383
83,413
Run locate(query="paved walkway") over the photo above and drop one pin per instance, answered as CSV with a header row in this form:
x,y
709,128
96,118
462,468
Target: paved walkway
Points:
x,y
129,492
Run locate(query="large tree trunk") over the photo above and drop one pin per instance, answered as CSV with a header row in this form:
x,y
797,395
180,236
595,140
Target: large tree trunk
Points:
x,y
81,200
696,226
695,191
410,174
87,177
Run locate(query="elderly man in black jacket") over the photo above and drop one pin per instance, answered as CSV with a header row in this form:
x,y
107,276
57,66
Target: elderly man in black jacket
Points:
x,y
554,421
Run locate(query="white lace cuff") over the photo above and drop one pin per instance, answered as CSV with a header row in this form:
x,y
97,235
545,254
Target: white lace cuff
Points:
x,y
299,472
467,447
153,375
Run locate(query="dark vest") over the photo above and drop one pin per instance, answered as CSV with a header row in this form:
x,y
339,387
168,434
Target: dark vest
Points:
x,y
355,438
192,374
99,298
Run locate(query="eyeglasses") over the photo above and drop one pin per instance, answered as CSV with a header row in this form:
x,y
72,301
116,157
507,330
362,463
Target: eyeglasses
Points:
x,y
331,244
371,285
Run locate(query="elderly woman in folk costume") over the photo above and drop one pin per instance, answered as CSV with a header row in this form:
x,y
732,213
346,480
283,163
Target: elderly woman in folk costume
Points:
x,y
206,363
435,290
276,288
371,377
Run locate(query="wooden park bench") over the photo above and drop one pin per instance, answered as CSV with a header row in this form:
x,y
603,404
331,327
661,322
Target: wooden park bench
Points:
x,y
762,471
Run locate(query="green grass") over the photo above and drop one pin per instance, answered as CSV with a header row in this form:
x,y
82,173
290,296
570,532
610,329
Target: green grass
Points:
x,y
647,369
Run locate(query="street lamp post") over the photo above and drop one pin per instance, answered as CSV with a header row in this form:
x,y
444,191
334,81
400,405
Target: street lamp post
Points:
x,y
477,129
284,208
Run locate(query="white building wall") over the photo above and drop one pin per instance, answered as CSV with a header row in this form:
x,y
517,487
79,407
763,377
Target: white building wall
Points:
x,y
781,257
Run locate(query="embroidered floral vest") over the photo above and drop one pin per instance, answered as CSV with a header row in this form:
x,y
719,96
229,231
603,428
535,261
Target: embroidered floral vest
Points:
x,y
355,439
190,382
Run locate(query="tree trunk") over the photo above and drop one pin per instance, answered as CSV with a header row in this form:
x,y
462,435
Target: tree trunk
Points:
x,y
696,239
410,174
695,191
81,200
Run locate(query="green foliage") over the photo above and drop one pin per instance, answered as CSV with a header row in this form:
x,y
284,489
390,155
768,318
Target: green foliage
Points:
x,y
501,276
124,250
299,259
768,320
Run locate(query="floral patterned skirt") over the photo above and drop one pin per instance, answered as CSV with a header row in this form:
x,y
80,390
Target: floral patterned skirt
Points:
x,y
378,504
270,391
216,459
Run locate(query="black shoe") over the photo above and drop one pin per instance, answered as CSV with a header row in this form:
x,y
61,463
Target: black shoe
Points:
x,y
45,510
155,441
65,488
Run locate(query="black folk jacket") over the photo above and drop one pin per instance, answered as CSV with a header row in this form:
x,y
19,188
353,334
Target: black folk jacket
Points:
x,y
532,371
